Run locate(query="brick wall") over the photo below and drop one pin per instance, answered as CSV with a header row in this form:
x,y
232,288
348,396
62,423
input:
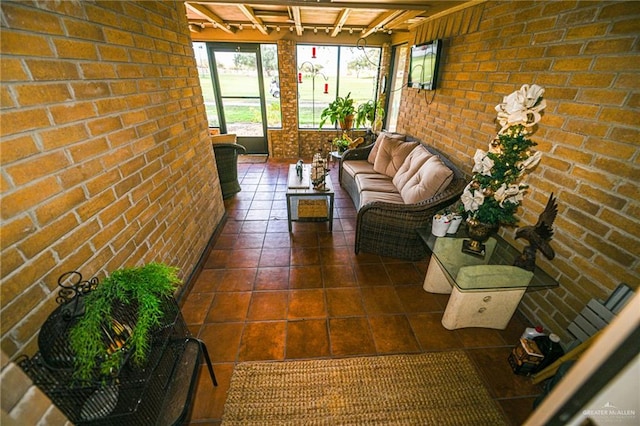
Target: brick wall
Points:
x,y
585,55
105,155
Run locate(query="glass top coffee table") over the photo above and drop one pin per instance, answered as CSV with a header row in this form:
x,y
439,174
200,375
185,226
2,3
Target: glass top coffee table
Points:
x,y
306,204
485,292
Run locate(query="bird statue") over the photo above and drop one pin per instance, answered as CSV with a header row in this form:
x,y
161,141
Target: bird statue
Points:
x,y
538,236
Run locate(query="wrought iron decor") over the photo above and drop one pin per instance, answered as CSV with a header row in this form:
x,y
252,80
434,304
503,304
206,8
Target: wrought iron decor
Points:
x,y
133,395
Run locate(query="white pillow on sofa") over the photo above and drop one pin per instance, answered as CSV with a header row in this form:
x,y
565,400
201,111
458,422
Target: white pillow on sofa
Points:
x,y
412,163
374,151
391,154
429,180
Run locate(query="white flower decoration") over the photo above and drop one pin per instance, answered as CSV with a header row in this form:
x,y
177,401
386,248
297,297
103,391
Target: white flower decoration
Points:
x,y
521,107
508,194
483,164
471,199
530,162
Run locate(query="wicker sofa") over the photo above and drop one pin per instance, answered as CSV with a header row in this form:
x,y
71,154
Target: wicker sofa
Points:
x,y
391,199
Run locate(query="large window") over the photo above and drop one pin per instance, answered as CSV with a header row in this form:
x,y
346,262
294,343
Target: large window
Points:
x,y
325,72
395,91
206,83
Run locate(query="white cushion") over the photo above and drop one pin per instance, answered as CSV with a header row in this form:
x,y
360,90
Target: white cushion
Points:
x,y
374,151
391,154
355,167
412,163
431,178
376,182
367,197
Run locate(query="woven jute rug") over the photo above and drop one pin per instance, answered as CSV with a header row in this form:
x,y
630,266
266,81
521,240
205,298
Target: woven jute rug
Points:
x,y
438,388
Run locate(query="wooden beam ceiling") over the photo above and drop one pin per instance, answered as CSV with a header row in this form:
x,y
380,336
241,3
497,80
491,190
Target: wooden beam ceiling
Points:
x,y
248,12
344,14
209,16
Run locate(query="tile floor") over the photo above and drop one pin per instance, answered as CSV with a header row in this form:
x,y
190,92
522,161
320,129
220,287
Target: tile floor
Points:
x,y
265,294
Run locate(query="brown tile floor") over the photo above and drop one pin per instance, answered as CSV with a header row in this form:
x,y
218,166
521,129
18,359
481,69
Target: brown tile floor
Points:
x,y
265,294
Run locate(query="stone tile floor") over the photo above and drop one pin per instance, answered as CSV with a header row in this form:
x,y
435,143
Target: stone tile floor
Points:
x,y
265,294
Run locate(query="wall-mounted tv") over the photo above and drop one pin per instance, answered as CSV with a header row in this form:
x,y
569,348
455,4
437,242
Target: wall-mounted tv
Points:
x,y
423,65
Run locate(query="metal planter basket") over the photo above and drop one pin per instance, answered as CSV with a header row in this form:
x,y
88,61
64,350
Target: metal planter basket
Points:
x,y
132,395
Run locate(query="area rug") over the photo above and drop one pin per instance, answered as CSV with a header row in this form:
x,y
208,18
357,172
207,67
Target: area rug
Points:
x,y
437,388
250,158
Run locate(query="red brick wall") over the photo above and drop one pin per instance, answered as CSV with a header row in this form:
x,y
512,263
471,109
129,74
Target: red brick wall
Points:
x,y
105,154
585,54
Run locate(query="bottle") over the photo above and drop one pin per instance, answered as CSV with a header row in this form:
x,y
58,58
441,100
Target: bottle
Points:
x,y
532,332
550,348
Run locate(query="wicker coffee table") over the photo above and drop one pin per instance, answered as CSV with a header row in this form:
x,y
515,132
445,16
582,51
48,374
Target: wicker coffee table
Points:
x,y
306,204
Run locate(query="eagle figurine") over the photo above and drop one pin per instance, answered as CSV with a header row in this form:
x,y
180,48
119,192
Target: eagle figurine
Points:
x,y
538,236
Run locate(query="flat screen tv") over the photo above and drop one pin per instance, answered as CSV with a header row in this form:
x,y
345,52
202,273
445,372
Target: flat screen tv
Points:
x,y
423,65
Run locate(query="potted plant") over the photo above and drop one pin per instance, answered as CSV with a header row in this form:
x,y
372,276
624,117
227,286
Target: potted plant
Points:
x,y
344,142
340,111
370,113
101,342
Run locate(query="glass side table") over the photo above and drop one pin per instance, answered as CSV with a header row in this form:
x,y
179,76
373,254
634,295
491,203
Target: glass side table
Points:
x,y
485,292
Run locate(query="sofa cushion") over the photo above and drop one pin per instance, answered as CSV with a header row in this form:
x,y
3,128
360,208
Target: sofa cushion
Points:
x,y
429,180
374,151
375,182
367,197
355,167
224,138
391,155
412,163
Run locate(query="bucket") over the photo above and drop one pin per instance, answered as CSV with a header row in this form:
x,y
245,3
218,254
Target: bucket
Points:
x,y
440,225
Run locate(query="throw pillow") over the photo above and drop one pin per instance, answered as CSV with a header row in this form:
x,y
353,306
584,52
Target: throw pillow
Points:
x,y
391,154
411,164
431,178
374,151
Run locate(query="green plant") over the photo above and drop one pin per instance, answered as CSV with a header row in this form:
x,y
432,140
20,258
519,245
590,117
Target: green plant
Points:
x,y
338,110
100,341
342,142
368,112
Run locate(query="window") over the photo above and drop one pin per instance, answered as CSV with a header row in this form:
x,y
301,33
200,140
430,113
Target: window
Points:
x,y
325,72
395,91
271,79
204,74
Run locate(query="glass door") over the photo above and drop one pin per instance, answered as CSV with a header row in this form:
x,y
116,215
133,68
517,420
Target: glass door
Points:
x,y
236,72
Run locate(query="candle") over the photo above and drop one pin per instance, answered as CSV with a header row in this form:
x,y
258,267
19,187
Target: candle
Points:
x,y
313,52
326,88
299,77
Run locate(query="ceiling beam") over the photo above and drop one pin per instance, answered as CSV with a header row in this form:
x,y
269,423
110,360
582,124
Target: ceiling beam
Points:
x,y
381,21
295,10
342,18
248,12
209,16
337,4
406,16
